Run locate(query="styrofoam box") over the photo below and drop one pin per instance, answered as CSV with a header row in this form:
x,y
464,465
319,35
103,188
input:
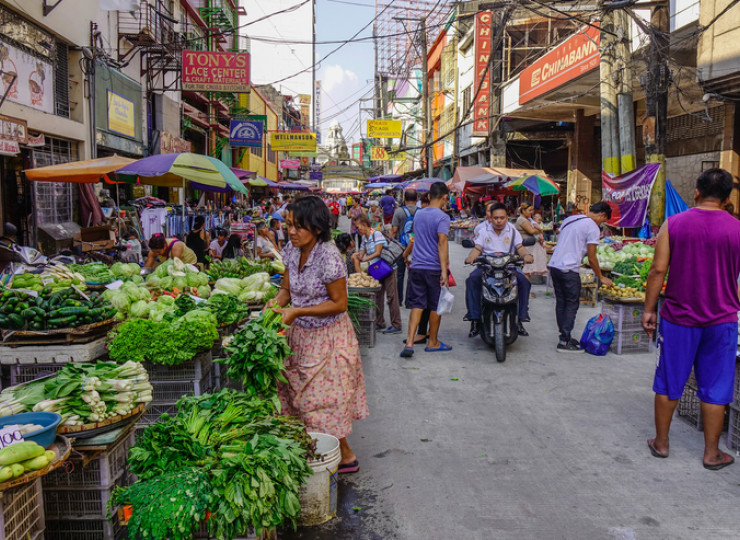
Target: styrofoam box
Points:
x,y
53,354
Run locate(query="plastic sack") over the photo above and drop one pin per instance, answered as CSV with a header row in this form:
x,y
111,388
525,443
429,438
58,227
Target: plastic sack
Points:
x,y
446,300
598,335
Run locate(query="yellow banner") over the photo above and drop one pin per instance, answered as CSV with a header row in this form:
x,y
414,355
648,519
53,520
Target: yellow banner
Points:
x,y
379,153
121,115
384,128
293,142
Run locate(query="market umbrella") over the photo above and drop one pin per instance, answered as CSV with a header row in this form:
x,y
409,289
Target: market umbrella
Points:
x,y
78,172
536,184
422,185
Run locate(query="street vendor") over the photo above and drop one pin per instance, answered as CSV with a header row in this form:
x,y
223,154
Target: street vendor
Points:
x,y
162,248
326,386
265,247
216,248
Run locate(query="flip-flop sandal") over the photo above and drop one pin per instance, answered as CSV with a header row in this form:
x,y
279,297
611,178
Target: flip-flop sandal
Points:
x,y
407,352
349,467
654,452
442,348
727,460
419,341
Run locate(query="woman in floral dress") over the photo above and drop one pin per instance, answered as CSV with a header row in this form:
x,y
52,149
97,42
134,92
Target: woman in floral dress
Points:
x,y
326,386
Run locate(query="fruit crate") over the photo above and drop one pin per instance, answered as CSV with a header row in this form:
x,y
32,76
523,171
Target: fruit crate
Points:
x,y
22,512
80,503
154,412
369,313
21,373
101,471
365,331
172,391
191,370
85,529
50,354
689,407
635,342
626,317
736,399
733,429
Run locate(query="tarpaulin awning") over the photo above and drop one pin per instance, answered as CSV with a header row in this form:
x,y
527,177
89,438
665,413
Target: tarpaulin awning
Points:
x,y
241,173
674,204
377,185
486,175
80,172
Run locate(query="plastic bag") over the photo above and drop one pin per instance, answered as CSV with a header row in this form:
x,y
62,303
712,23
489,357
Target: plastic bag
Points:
x,y
446,300
598,335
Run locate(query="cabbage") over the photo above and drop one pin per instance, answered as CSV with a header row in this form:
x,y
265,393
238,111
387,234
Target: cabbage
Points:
x,y
133,269
192,280
178,264
218,291
204,291
139,309
153,280
120,300
255,281
166,300
248,296
166,283
203,278
137,279
162,270
179,283
229,285
266,287
108,294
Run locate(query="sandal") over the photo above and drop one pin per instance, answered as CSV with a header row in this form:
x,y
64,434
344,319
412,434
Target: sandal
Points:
x,y
349,467
407,352
727,459
442,348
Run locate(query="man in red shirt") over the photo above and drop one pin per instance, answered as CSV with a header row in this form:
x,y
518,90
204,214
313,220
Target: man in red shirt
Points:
x,y
334,208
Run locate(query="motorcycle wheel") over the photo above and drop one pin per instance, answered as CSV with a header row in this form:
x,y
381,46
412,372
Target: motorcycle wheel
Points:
x,y
499,339
511,327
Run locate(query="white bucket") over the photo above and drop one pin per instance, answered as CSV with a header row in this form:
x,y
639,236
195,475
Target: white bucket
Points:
x,y
318,496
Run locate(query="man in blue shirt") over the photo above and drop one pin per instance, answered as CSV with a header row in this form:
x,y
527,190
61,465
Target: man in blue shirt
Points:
x,y
429,268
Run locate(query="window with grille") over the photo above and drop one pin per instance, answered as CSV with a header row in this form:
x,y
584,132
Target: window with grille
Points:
x,y
270,154
467,94
61,80
256,151
54,200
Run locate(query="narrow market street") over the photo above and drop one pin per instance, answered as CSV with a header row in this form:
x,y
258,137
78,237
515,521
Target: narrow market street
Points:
x,y
543,446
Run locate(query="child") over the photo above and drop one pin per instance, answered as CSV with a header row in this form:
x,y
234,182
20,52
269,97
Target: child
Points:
x,y
346,246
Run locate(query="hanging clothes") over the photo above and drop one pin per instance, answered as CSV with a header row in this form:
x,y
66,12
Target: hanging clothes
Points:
x,y
153,221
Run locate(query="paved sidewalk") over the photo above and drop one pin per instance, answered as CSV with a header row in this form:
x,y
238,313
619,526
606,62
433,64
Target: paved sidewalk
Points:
x,y
544,446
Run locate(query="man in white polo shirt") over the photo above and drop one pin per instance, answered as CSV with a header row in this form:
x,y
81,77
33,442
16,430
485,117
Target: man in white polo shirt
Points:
x,y
495,235
579,235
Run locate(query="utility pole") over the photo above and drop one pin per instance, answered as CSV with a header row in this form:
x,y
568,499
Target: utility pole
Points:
x,y
625,103
428,146
656,104
610,162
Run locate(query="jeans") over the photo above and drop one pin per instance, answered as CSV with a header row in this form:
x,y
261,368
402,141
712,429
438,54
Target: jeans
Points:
x,y
567,287
474,291
388,288
401,272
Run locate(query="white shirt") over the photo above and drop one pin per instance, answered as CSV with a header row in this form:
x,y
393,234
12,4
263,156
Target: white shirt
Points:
x,y
492,242
576,233
263,244
216,247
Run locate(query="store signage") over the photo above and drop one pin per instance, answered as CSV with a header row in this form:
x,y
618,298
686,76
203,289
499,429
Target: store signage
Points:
x,y
481,87
284,141
629,195
379,153
9,148
290,163
317,107
246,133
215,71
304,99
315,175
36,141
13,129
172,144
384,128
576,56
27,79
121,116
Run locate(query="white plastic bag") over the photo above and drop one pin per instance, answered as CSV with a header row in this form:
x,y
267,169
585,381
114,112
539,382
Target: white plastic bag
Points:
x,y
446,300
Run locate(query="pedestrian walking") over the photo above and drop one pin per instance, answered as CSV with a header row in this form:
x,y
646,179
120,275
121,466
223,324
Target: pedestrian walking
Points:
x,y
369,253
352,213
334,209
579,235
429,268
698,326
325,384
401,229
343,205
388,204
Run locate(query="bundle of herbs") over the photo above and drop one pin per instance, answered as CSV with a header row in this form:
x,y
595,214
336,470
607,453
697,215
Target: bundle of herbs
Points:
x,y
226,458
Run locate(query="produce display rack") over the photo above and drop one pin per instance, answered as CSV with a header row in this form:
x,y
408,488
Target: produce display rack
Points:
x,y
22,513
634,342
64,336
625,317
11,354
194,369
85,529
365,331
733,428
689,407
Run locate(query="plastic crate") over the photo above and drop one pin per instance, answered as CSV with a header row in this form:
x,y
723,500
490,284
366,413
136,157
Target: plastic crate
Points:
x,y
365,331
82,502
634,342
20,373
733,429
53,354
85,529
172,391
22,512
154,412
736,400
369,313
626,317
689,407
191,370
102,471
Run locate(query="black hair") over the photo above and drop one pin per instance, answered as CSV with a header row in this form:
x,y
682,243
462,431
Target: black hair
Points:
x,y
496,206
410,195
157,241
343,242
438,190
222,232
232,245
601,207
425,198
715,184
198,222
311,213
273,222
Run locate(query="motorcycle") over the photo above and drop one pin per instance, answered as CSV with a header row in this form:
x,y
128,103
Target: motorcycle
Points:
x,y
500,298
17,259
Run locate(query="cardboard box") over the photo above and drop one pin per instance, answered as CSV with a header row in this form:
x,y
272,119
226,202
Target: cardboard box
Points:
x,y
95,238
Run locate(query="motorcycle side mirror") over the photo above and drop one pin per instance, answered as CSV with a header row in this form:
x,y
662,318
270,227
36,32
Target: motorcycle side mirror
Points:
x,y
469,244
529,241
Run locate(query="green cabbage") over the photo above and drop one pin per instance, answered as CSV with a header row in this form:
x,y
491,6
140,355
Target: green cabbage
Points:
x,y
136,279
162,270
166,300
255,281
179,283
166,283
139,309
120,300
204,291
154,280
229,285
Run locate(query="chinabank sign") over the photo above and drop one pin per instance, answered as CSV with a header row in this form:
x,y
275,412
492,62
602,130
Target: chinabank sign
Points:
x,y
247,133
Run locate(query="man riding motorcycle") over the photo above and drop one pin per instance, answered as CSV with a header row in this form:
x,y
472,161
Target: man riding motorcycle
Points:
x,y
495,235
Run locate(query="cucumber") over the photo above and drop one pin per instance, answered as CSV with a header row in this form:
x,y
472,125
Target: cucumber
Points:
x,y
67,311
16,320
62,321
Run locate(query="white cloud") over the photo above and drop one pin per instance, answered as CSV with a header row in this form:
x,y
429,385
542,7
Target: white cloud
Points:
x,y
335,76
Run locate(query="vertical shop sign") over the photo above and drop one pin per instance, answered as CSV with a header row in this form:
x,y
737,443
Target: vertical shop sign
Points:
x,y
317,110
481,87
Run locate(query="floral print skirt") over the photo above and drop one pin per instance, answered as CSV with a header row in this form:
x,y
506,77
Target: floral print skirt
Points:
x,y
326,386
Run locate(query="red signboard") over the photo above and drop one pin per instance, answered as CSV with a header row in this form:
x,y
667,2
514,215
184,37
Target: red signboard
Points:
x,y
481,108
576,56
215,71
290,163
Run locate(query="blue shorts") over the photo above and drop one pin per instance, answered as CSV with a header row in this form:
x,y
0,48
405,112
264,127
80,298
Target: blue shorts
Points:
x,y
423,289
711,351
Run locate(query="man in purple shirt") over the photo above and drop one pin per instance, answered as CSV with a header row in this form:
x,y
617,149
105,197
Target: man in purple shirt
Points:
x,y
388,204
698,326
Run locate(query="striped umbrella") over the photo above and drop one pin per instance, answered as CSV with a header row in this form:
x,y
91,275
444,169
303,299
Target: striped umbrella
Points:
x,y
534,183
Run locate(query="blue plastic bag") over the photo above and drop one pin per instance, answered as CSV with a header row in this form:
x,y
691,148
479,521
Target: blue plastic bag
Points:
x,y
598,335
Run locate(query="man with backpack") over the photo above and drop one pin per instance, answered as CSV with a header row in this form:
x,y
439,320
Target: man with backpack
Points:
x,y
401,227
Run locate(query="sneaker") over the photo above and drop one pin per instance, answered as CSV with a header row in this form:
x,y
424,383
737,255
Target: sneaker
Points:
x,y
571,346
392,330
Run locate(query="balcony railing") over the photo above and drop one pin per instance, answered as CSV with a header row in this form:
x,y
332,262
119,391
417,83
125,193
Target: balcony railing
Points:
x,y
149,26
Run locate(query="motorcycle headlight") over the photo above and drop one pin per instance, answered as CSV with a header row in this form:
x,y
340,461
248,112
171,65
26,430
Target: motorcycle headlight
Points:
x,y
498,261
499,275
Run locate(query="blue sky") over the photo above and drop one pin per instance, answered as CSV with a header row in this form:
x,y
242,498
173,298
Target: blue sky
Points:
x,y
347,74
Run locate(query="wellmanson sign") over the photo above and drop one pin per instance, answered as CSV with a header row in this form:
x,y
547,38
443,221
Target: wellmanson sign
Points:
x,y
576,56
